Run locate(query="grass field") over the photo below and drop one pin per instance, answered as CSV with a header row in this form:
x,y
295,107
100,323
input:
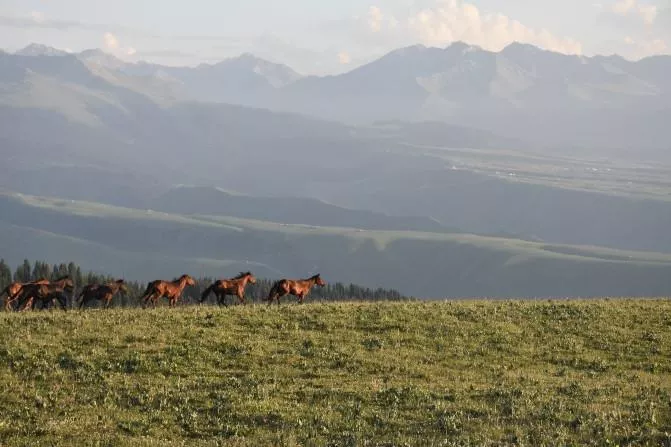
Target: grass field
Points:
x,y
442,373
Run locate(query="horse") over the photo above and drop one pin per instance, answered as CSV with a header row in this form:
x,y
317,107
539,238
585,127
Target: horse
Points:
x,y
46,293
168,289
13,289
235,286
297,287
101,292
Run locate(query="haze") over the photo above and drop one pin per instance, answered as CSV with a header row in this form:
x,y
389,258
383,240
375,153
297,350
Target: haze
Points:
x,y
331,37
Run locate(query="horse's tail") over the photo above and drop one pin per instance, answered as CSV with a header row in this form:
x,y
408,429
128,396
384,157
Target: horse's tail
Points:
x,y
274,291
206,292
147,291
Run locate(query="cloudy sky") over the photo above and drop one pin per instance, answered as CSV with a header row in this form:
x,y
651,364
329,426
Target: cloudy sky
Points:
x,y
330,36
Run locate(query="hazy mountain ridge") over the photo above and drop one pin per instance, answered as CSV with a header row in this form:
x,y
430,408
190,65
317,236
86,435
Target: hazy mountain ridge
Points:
x,y
286,210
420,83
137,243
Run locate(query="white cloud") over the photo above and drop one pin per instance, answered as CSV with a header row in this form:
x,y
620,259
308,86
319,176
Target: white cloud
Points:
x,y
375,19
454,20
111,42
625,8
38,17
344,58
637,49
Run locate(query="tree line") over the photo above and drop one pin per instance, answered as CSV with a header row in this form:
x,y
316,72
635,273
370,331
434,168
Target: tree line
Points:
x,y
333,291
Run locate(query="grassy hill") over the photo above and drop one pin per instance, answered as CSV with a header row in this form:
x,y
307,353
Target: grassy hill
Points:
x,y
142,243
442,373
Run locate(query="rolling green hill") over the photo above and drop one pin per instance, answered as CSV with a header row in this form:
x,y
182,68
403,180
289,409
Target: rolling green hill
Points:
x,y
416,263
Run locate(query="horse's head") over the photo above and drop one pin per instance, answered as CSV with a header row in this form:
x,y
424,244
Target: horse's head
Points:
x,y
318,280
122,285
68,284
189,281
251,278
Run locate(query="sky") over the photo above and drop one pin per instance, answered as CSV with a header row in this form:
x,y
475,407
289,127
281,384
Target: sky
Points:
x,y
331,36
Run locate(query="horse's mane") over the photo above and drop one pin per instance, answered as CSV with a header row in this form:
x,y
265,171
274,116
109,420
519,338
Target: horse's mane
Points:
x,y
62,278
242,275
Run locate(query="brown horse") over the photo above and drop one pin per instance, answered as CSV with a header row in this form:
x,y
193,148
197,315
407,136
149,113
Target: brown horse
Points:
x,y
101,292
235,286
168,289
46,293
297,287
12,291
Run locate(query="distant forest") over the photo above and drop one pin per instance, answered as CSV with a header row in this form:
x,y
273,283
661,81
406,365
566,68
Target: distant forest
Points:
x,y
333,291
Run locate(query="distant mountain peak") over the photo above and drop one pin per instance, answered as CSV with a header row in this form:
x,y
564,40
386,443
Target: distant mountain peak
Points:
x,y
462,47
278,75
99,57
412,49
519,47
37,49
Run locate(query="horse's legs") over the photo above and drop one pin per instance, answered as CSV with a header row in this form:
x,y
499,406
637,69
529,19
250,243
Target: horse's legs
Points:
x,y
84,300
26,305
9,303
148,299
62,301
151,299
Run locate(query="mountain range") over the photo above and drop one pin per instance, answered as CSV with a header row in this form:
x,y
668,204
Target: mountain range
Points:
x,y
546,98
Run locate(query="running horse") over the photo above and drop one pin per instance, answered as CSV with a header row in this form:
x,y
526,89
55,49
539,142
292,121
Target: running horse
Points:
x,y
297,287
235,286
13,289
46,293
172,290
101,292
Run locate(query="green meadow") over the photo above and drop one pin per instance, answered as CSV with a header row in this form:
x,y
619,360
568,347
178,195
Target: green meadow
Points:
x,y
534,373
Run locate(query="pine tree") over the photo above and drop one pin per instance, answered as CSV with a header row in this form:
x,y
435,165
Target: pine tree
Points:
x,y
23,272
5,274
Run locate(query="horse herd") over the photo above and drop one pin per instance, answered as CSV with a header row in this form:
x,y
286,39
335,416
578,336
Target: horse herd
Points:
x,y
24,296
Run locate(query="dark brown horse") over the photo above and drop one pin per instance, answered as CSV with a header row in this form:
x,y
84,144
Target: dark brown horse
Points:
x,y
12,291
235,286
54,290
101,292
172,290
297,287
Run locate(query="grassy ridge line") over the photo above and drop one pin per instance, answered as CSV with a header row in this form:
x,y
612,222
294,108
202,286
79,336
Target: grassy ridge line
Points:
x,y
451,373
381,238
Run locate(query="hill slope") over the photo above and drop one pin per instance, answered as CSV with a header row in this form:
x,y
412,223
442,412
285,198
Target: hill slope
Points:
x,y
415,263
289,210
490,373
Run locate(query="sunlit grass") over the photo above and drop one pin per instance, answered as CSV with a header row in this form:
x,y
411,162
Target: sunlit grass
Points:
x,y
449,373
